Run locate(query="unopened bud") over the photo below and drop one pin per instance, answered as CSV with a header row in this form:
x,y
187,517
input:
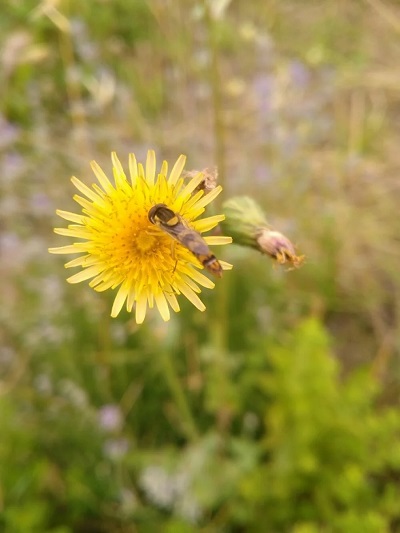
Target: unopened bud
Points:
x,y
246,222
279,247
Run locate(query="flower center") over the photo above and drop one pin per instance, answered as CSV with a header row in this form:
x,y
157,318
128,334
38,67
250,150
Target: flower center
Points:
x,y
145,241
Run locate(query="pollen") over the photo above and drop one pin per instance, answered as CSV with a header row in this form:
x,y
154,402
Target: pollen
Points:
x,y
145,242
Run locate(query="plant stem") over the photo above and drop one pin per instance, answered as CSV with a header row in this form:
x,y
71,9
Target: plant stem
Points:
x,y
215,84
221,326
178,393
220,323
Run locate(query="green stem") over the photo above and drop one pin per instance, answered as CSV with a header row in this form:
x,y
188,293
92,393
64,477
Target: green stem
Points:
x,y
178,393
220,322
215,83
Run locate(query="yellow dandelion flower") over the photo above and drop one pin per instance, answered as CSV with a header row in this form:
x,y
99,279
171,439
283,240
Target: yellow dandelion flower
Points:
x,y
121,246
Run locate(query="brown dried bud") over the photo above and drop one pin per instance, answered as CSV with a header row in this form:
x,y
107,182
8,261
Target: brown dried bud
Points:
x,y
210,177
279,247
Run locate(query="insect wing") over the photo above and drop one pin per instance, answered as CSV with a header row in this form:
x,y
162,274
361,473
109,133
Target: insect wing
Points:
x,y
175,226
194,242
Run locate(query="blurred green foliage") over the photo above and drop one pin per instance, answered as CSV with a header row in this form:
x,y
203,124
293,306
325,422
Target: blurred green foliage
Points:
x,y
277,409
306,450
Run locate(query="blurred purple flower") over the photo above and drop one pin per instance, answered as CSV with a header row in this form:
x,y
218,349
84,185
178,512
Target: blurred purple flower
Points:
x,y
40,204
299,74
263,87
110,418
8,133
12,251
263,174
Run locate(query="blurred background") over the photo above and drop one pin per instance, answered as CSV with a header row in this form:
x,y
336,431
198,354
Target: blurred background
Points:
x,y
276,410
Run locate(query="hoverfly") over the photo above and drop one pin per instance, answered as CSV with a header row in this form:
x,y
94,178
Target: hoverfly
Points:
x,y
175,226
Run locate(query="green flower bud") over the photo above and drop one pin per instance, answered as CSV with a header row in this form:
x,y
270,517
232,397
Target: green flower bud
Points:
x,y
247,224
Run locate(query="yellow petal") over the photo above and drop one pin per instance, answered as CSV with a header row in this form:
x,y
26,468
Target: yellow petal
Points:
x,y
173,302
141,308
101,177
91,209
225,265
162,306
87,192
164,169
130,300
150,167
177,170
85,274
72,217
205,224
119,301
103,286
193,183
70,249
216,240
84,261
118,172
191,296
208,198
187,208
81,233
191,272
133,169
200,278
190,283
141,171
